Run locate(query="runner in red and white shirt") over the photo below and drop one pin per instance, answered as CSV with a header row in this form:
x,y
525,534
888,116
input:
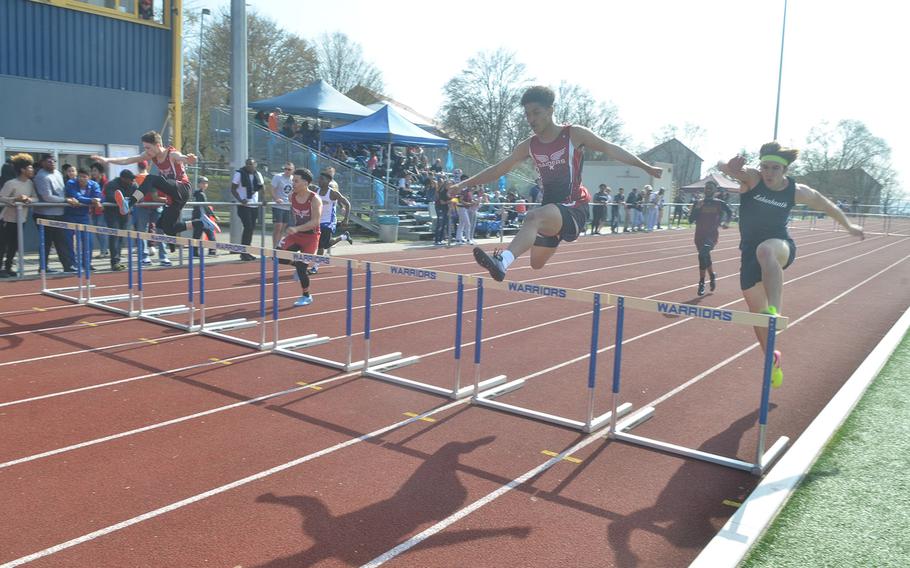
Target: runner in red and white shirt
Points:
x,y
172,182
558,153
303,232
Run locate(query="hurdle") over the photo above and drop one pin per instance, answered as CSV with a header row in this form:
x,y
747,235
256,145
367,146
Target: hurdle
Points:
x,y
63,292
291,346
488,397
380,370
619,430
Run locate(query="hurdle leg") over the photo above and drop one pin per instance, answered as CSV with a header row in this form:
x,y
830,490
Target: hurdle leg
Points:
x,y
129,268
459,313
79,263
274,302
262,301
42,259
141,246
762,459
349,315
592,362
191,296
201,291
366,319
87,250
478,337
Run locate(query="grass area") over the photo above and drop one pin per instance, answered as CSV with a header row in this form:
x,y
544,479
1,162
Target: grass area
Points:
x,y
853,508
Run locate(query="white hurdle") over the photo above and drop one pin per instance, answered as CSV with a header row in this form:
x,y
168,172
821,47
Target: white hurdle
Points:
x,y
619,430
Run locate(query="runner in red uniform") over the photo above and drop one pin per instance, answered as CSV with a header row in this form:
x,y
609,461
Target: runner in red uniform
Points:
x,y
303,233
708,214
172,182
558,152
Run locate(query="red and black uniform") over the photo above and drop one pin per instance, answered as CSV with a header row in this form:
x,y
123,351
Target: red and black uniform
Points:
x,y
559,165
306,241
708,214
175,185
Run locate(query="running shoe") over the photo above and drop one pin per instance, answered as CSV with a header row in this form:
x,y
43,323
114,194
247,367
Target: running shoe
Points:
x,y
146,261
118,267
701,287
210,224
304,300
122,203
347,236
777,373
165,261
493,263
713,281
313,269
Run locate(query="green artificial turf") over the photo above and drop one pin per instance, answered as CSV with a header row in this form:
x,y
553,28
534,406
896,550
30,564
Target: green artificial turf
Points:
x,y
853,508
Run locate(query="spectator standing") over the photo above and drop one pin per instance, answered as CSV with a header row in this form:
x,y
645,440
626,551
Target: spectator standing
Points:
x,y
618,210
87,194
273,119
441,203
631,204
49,185
465,201
534,192
96,172
282,187
245,186
203,210
261,119
601,204
113,217
20,189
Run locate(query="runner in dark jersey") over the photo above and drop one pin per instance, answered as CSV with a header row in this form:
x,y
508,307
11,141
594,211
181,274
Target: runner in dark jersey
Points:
x,y
558,153
708,214
172,182
766,197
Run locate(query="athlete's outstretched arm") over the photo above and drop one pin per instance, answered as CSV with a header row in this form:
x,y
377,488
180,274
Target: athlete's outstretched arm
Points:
x,y
494,172
119,161
808,196
735,168
582,136
187,158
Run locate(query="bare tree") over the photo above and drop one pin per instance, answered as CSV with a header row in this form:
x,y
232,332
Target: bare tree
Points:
x,y
481,103
277,62
850,145
342,65
575,105
692,135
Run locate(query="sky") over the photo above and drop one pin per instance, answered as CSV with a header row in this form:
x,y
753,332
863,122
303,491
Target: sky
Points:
x,y
711,63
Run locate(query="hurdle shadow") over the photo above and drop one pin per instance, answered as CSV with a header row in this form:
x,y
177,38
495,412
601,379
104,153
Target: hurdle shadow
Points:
x,y
671,515
432,493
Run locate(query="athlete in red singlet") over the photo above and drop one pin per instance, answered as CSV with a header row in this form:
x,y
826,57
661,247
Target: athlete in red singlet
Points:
x,y
172,182
557,152
303,233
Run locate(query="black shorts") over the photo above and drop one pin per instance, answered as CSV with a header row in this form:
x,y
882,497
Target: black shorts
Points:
x,y
325,236
574,220
282,216
750,269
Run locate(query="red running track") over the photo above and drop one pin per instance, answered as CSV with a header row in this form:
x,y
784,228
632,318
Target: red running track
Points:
x,y
127,443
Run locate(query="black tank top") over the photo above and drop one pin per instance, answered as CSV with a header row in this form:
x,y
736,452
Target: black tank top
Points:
x,y
763,213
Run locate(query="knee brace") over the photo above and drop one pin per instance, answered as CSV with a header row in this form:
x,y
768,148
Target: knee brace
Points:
x,y
548,242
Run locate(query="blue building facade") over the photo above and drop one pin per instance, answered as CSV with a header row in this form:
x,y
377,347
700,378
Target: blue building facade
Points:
x,y
82,77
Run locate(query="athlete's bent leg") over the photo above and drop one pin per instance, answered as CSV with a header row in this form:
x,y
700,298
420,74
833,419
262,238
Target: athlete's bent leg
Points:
x,y
772,255
545,221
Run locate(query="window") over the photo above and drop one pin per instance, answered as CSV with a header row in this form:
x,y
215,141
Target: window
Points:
x,y
148,11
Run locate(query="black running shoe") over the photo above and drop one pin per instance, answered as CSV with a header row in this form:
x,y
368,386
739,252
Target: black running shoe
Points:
x,y
713,281
701,288
493,263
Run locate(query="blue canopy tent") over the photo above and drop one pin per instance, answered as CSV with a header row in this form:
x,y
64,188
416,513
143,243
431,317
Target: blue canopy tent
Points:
x,y
316,99
384,126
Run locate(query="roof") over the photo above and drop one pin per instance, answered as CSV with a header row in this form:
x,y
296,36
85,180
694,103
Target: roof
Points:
x,y
722,181
316,99
671,142
385,125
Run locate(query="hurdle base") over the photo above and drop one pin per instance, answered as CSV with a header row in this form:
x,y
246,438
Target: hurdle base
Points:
x,y
486,399
771,456
500,389
467,391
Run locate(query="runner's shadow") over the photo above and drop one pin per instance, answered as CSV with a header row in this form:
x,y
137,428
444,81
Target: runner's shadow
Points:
x,y
432,493
672,516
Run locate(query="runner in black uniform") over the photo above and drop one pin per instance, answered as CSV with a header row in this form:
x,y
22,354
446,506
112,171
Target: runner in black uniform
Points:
x,y
766,197
708,214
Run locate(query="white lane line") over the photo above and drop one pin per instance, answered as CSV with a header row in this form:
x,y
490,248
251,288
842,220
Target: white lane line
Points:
x,y
492,496
164,339
131,379
227,487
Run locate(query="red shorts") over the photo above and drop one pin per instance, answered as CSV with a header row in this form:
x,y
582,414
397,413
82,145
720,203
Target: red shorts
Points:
x,y
300,242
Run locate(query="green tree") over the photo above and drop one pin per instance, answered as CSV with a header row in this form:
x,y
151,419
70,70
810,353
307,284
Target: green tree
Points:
x,y
277,62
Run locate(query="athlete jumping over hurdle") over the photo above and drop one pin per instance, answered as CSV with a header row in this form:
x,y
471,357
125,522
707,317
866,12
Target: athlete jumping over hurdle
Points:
x,y
558,153
766,197
303,233
173,182
708,214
